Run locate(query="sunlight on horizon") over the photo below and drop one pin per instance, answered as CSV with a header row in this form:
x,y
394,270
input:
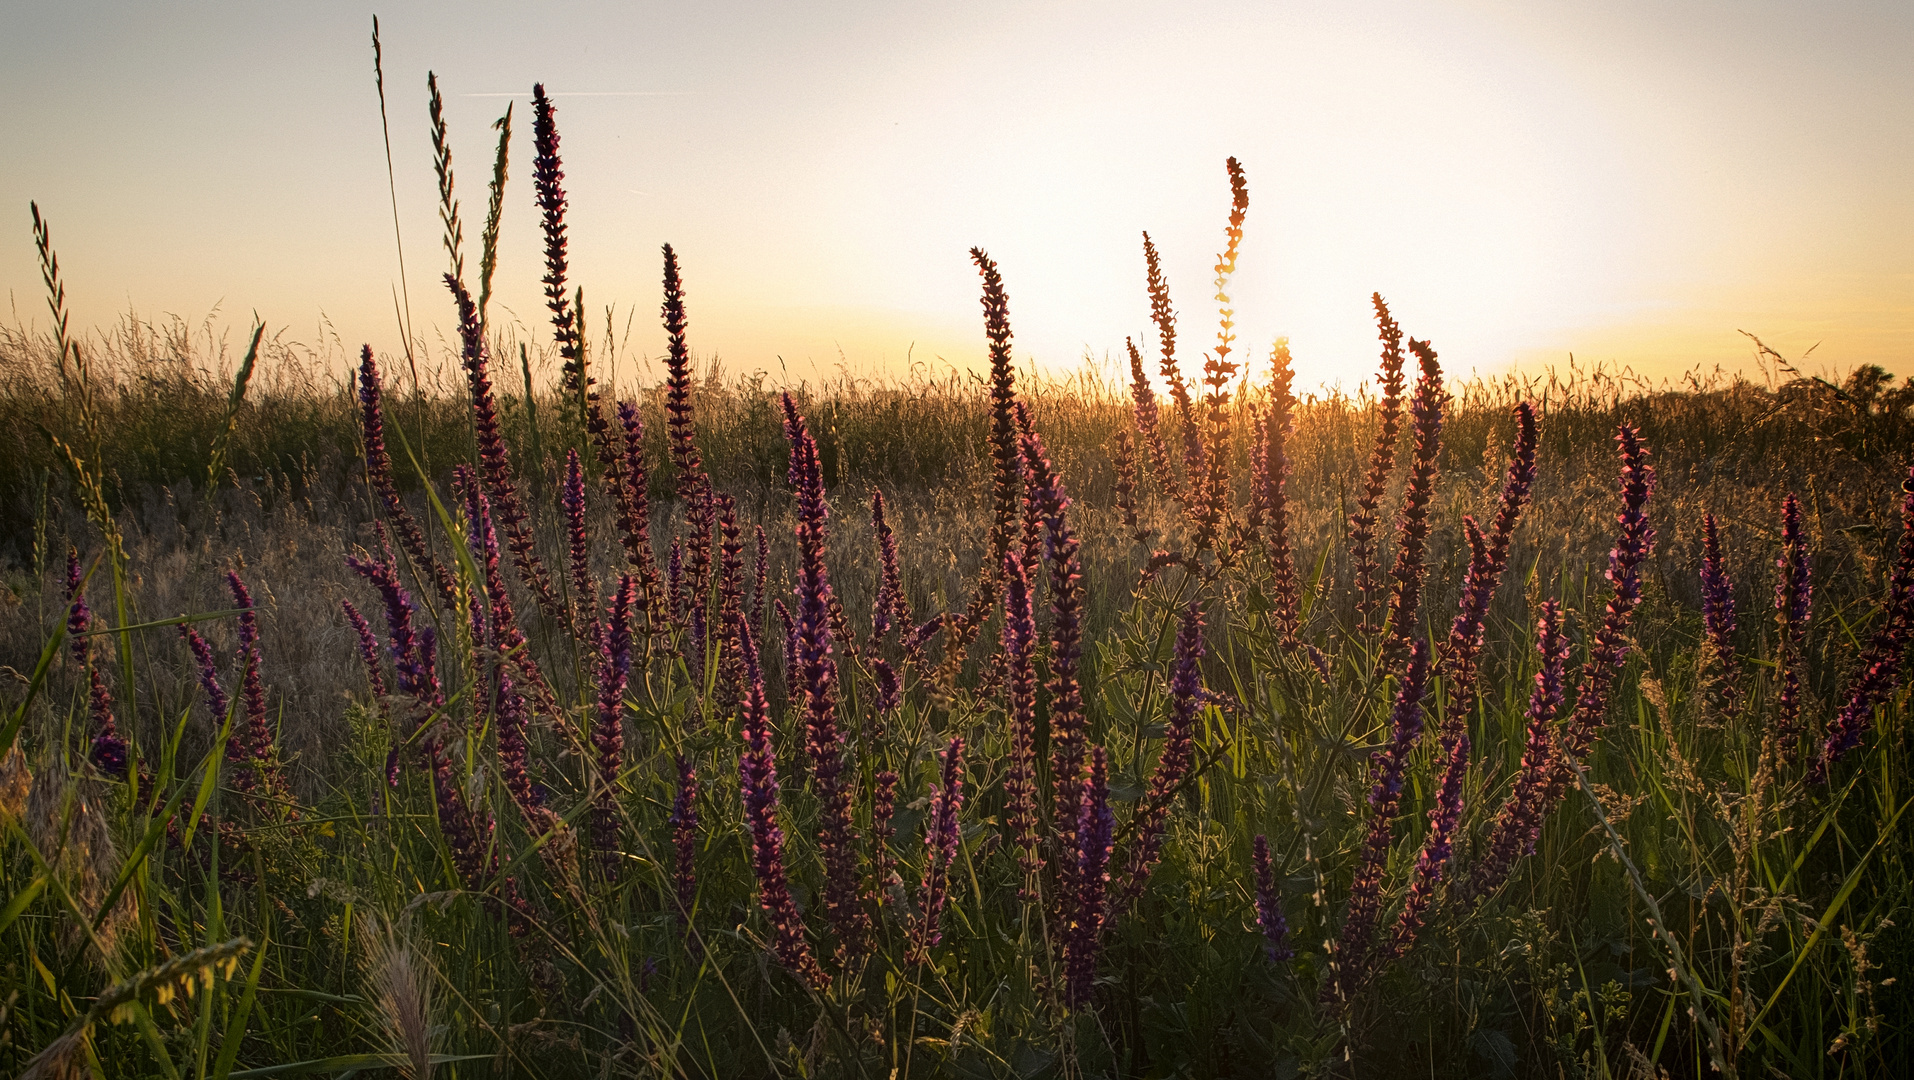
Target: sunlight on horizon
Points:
x,y
1625,183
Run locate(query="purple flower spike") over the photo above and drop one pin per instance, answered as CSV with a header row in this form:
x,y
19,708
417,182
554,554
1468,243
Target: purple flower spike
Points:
x,y
1519,823
760,577
1385,801
1149,428
1270,500
633,497
217,702
1186,686
1609,650
1095,826
679,424
817,675
1067,720
940,844
1020,780
608,730
379,472
1718,613
584,589
684,834
891,608
1382,462
675,579
252,692
495,463
109,752
758,781
512,755
1881,666
1412,519
1269,905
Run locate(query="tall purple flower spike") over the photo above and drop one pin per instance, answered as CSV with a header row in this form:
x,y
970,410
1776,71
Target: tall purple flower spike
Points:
x,y
940,849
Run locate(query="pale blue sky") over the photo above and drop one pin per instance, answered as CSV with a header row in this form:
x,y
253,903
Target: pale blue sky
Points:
x,y
1630,182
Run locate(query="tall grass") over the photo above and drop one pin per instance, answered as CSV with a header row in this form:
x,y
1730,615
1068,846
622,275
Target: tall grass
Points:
x,y
1072,756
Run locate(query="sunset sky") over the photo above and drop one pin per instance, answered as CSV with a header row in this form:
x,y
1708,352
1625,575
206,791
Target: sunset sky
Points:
x,y
1629,182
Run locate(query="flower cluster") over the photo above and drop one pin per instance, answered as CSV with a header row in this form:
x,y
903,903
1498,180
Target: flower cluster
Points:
x,y
109,751
1519,822
758,780
608,728
1020,779
1793,595
1718,613
1269,905
1412,518
940,848
1173,765
1270,500
816,674
1094,833
379,472
1382,462
684,837
1881,664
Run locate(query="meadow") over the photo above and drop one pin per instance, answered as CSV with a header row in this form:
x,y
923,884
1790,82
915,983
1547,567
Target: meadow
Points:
x,y
432,712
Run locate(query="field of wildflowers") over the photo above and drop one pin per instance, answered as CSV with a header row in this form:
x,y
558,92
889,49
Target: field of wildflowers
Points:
x,y
1174,728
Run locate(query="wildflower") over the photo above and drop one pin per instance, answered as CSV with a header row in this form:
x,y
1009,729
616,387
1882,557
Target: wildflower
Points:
x,y
758,781
548,178
1271,499
1385,802
216,700
1149,424
579,547
1412,518
1382,462
684,834
379,472
494,461
1610,648
1519,822
1095,826
1269,905
634,503
1020,780
760,574
940,843
1718,613
891,607
109,751
730,599
1173,764
679,425
1067,720
1881,668
608,733
252,692
817,675
1218,369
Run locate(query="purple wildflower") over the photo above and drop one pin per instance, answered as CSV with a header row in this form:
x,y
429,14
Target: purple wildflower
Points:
x,y
109,751
1519,823
1095,826
379,472
1412,518
584,588
1881,667
1610,648
1269,905
1385,802
883,811
548,178
252,692
817,674
506,637
1718,613
675,580
730,601
1124,459
890,608
890,691
1382,462
634,505
512,754
1186,685
494,461
684,835
1067,720
1149,426
1020,779
608,730
216,700
940,848
758,781
761,577
1271,497
679,424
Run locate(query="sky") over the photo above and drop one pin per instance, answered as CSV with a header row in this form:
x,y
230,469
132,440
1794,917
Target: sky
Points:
x,y
1632,183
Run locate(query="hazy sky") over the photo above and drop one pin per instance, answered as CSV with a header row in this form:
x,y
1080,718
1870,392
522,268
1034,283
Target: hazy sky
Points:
x,y
1630,182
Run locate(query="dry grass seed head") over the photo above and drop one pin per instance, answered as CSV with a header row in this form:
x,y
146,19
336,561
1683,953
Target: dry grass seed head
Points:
x,y
398,982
